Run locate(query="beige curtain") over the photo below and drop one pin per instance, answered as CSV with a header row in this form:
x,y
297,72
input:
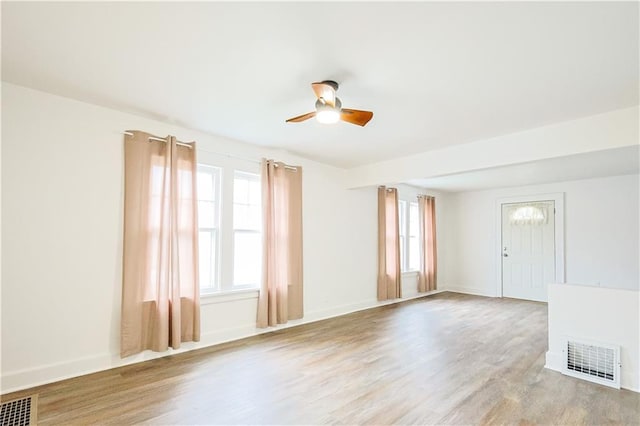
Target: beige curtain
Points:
x,y
388,244
281,292
160,290
427,240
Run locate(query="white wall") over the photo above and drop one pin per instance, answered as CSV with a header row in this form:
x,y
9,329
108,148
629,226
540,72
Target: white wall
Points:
x,y
601,234
600,315
62,236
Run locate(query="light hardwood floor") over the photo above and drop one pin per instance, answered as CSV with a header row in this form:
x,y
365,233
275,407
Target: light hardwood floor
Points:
x,y
444,359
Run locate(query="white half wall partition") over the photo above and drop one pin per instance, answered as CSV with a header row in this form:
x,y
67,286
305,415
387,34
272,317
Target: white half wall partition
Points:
x,y
596,314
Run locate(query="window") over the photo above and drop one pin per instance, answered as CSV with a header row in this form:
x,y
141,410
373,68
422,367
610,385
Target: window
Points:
x,y
230,229
414,246
209,227
247,225
530,214
409,245
402,216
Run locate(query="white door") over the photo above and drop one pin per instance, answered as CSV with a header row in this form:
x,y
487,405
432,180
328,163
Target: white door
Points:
x,y
528,249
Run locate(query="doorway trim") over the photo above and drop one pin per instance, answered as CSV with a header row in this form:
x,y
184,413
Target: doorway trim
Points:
x,y
558,232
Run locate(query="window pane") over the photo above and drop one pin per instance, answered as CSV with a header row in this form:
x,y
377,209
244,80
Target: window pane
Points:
x,y
246,217
247,256
402,208
214,257
205,258
247,207
240,190
414,254
205,186
207,217
208,181
247,222
255,218
413,220
254,191
240,212
402,254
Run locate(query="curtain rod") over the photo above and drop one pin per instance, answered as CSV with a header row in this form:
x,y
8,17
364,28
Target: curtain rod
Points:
x,y
238,157
151,138
253,160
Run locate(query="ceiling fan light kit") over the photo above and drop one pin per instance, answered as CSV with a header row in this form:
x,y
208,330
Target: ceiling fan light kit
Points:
x,y
328,116
327,113
329,108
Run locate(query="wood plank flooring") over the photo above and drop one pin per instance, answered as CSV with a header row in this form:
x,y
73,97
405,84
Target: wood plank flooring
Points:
x,y
445,359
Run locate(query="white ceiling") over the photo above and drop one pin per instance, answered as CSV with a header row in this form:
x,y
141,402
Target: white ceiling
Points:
x,y
435,74
620,161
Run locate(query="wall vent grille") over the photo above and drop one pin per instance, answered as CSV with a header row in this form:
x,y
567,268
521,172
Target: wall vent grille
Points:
x,y
595,362
19,412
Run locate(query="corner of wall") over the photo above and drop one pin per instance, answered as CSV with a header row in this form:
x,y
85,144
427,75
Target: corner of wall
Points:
x,y
553,361
476,291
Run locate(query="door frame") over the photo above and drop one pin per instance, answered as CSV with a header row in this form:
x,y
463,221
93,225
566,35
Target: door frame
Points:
x,y
558,199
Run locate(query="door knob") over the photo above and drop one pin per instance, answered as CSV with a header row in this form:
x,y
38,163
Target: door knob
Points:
x,y
505,255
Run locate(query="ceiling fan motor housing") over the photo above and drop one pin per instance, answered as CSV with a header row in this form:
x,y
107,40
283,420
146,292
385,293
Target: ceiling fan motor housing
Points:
x,y
321,105
331,83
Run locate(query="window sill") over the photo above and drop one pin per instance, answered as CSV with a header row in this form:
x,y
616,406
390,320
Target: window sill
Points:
x,y
229,296
410,273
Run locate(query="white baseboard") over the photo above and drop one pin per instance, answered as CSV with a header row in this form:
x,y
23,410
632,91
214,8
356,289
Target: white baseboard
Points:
x,y
624,380
27,378
470,290
43,374
553,361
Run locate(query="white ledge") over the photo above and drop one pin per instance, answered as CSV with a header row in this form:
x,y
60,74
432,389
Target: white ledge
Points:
x,y
229,296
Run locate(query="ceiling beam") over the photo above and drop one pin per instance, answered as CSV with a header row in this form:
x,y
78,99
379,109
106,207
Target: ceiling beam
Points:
x,y
614,129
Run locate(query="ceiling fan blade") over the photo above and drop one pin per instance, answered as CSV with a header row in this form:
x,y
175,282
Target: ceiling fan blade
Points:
x,y
355,116
302,117
326,92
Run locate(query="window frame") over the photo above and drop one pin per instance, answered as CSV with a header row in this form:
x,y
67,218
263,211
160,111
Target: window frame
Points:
x,y
404,228
413,233
255,177
228,167
214,231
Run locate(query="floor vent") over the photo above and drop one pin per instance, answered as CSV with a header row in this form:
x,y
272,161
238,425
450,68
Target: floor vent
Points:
x,y
19,412
595,362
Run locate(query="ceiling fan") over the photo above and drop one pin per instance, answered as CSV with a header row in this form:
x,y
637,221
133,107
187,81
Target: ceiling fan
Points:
x,y
329,108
